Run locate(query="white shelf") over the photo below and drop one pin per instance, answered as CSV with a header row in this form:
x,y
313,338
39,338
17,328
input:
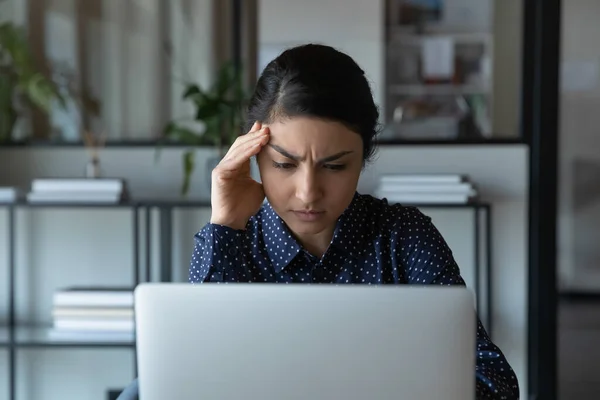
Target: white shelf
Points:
x,y
44,336
443,89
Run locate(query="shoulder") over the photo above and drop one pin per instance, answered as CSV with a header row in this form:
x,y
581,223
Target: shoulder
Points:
x,y
417,244
406,229
391,217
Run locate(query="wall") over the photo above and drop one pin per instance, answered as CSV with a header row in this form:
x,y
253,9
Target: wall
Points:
x,y
579,190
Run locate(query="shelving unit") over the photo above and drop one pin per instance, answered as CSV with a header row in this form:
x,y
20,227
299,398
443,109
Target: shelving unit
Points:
x,y
14,337
37,336
438,70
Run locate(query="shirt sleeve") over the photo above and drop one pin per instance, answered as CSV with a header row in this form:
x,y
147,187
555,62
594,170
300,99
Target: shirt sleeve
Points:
x,y
429,260
218,255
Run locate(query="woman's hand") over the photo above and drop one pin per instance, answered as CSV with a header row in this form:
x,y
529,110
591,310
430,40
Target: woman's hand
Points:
x,y
235,196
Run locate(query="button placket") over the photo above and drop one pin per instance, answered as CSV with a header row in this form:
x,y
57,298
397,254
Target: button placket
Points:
x,y
318,273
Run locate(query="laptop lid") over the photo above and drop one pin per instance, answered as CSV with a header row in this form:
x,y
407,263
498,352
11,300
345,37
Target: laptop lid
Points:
x,y
294,341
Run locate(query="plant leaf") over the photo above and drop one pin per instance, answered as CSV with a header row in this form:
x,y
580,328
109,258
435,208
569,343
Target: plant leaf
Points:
x,y
191,90
208,107
188,169
227,78
179,134
18,60
220,109
194,93
38,91
212,134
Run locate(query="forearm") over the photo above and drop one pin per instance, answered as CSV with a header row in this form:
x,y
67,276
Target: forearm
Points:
x,y
495,379
218,255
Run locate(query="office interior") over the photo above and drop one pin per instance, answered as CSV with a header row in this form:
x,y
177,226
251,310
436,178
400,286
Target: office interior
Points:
x,y
497,91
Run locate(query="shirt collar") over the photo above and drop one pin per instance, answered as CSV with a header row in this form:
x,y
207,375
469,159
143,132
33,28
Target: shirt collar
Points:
x,y
282,247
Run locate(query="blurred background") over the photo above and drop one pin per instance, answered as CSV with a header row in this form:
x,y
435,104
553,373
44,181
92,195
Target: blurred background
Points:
x,y
113,113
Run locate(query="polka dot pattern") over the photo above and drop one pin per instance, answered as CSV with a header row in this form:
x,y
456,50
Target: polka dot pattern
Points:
x,y
374,242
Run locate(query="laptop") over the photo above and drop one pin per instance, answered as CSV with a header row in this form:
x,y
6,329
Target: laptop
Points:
x,y
297,341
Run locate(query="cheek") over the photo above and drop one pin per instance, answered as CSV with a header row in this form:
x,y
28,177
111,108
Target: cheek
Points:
x,y
340,185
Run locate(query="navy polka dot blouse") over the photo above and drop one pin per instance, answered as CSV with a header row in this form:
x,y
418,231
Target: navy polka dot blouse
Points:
x,y
374,243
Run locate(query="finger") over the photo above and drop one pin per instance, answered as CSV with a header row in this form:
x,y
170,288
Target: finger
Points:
x,y
243,147
252,135
242,142
255,127
243,154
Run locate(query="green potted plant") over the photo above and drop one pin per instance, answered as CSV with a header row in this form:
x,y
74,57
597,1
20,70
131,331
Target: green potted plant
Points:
x,y
21,83
216,121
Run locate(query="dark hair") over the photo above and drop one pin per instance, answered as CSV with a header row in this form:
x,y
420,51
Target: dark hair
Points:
x,y
317,81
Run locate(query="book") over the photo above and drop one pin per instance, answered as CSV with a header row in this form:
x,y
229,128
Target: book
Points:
x,y
94,297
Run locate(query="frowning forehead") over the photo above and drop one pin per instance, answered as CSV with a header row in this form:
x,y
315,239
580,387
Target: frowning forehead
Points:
x,y
304,137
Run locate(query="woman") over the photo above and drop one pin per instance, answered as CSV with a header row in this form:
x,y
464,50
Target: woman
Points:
x,y
313,122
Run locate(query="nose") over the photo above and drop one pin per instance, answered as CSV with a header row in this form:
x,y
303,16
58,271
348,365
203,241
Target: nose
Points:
x,y
308,187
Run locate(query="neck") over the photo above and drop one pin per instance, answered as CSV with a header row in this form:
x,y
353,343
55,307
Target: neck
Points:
x,y
316,244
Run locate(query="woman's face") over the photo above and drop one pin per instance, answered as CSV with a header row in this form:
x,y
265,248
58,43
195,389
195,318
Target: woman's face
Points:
x,y
310,170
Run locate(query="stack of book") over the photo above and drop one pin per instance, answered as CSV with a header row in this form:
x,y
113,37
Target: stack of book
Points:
x,y
8,194
75,190
426,189
99,311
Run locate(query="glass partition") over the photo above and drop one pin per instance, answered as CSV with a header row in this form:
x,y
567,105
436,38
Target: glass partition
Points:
x,y
452,70
442,71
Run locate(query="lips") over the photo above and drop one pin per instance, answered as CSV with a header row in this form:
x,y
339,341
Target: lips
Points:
x,y
308,215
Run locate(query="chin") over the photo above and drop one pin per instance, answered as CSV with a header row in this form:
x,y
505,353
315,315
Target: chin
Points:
x,y
308,228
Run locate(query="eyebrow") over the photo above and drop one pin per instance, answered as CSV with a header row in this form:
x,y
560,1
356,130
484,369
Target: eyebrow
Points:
x,y
294,157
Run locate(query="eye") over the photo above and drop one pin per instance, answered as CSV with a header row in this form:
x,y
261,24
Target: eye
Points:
x,y
283,165
335,167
